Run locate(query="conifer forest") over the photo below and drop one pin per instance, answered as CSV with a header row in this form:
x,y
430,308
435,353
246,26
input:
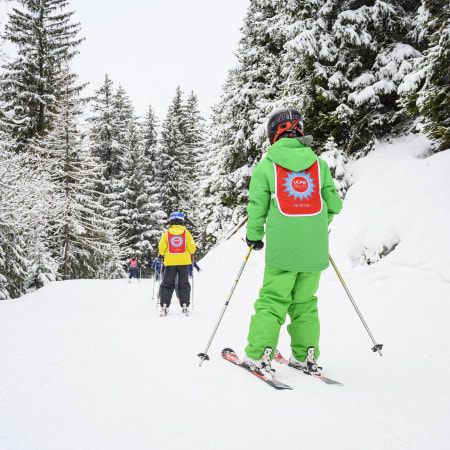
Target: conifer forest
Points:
x,y
85,182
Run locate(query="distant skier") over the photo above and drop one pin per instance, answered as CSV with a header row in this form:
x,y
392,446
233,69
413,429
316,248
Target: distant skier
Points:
x,y
176,246
293,190
134,266
157,266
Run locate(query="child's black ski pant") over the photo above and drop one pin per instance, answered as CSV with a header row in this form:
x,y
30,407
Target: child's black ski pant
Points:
x,y
168,284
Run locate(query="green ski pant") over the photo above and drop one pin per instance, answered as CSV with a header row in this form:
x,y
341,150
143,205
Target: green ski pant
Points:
x,y
285,293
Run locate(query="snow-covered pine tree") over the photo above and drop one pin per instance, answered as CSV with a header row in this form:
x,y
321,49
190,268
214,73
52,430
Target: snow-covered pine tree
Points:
x,y
153,219
310,53
131,181
25,190
352,56
32,85
112,113
194,147
129,202
13,262
336,160
173,156
34,81
124,148
426,90
82,238
236,139
123,117
101,133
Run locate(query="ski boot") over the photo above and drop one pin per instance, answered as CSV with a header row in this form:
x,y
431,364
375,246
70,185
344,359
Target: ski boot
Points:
x,y
262,365
185,309
164,310
309,365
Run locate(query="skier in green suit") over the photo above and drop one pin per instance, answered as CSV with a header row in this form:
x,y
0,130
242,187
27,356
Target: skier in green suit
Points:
x,y
293,194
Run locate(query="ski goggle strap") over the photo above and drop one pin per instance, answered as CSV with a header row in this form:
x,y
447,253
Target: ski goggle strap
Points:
x,y
285,127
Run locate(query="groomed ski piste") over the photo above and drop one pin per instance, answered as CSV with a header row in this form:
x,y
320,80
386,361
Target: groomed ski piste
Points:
x,y
89,364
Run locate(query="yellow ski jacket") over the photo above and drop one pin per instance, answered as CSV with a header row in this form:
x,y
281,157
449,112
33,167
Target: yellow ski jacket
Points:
x,y
180,259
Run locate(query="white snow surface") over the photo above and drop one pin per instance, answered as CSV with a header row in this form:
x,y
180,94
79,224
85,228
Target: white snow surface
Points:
x,y
90,365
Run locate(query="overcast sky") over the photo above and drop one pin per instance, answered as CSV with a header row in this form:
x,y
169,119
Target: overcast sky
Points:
x,y
152,46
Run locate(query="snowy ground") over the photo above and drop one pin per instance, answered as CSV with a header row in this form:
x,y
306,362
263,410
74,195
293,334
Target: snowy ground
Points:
x,y
90,365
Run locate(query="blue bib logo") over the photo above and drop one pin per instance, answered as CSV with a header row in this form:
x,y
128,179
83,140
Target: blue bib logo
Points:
x,y
299,184
177,241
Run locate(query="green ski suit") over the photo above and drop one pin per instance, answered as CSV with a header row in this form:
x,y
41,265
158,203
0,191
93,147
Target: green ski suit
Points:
x,y
296,247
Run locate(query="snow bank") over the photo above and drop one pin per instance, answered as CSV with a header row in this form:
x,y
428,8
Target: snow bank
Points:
x,y
399,200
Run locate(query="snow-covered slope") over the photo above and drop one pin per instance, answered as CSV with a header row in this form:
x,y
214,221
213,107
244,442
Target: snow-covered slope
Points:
x,y
91,365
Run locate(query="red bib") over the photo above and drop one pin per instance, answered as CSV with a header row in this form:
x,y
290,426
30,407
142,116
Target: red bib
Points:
x,y
133,263
176,243
298,193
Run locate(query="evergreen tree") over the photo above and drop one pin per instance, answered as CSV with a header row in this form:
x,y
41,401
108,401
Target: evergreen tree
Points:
x,y
123,150
351,57
81,236
173,157
426,89
128,204
101,133
236,139
34,81
153,219
25,190
194,146
112,113
132,180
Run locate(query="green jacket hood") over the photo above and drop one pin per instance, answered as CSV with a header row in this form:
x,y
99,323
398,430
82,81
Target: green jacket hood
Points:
x,y
291,154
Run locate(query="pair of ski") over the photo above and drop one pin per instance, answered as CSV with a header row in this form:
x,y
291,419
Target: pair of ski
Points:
x,y
230,355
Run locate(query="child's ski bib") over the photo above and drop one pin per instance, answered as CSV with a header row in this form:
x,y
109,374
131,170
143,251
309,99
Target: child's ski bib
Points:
x,y
298,193
176,243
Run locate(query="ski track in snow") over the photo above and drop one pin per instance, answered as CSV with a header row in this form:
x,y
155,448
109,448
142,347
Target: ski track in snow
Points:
x,y
89,364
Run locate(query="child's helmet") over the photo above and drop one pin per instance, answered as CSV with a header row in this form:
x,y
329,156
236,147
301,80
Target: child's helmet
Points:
x,y
284,123
176,218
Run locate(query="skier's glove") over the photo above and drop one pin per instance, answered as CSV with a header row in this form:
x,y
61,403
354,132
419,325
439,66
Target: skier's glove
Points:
x,y
257,245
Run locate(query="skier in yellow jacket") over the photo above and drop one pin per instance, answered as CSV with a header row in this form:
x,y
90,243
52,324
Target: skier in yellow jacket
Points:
x,y
176,247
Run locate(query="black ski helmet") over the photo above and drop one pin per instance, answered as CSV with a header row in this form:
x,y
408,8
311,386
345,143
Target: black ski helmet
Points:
x,y
284,123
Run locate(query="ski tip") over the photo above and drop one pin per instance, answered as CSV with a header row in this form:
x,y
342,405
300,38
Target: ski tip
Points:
x,y
227,350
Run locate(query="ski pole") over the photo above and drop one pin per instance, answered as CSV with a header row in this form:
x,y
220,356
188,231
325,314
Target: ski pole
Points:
x,y
192,302
154,282
376,347
158,295
204,356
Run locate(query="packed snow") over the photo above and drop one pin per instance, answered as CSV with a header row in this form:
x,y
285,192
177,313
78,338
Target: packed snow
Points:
x,y
89,364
